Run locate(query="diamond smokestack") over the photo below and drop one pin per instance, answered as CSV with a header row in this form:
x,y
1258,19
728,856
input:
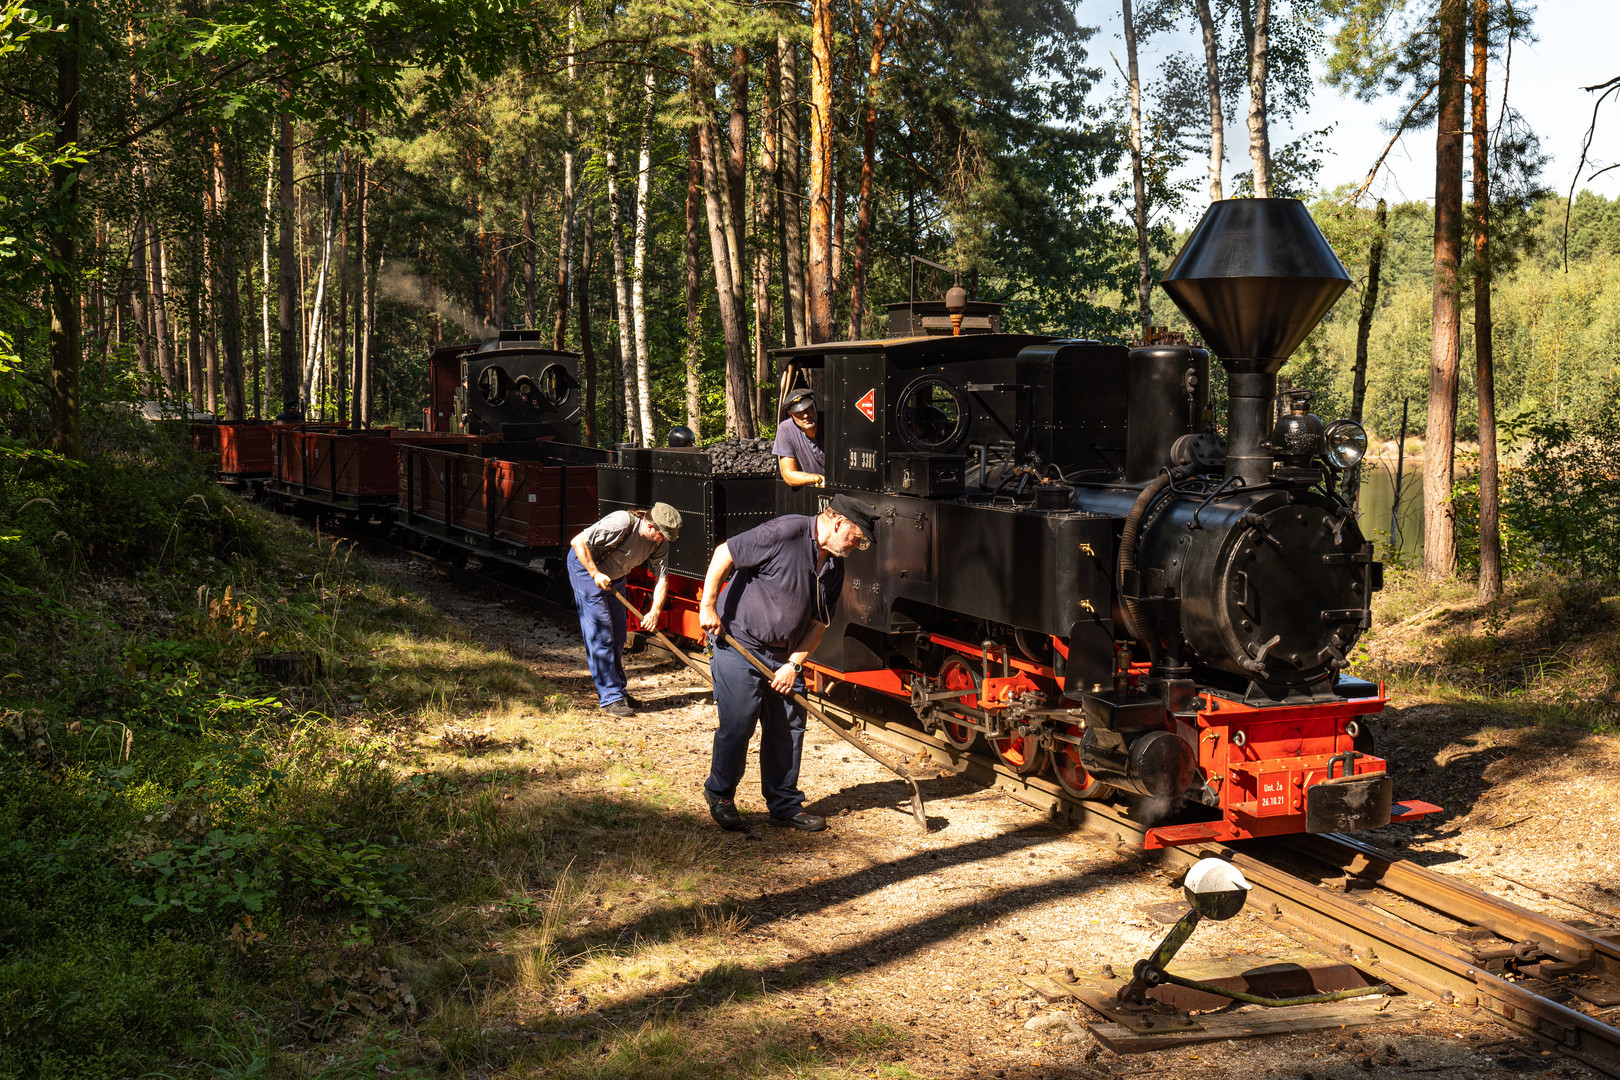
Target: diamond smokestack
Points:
x,y
1255,277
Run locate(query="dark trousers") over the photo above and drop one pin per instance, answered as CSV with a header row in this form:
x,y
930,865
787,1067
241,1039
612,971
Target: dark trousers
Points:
x,y
743,697
602,621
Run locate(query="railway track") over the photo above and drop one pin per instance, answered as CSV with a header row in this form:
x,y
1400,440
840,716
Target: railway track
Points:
x,y
1431,935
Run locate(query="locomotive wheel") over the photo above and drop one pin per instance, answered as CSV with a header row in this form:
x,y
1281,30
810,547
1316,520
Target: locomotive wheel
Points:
x,y
959,674
1071,773
1020,753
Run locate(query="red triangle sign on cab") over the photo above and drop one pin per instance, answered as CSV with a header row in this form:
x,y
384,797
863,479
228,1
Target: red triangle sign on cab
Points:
x,y
868,405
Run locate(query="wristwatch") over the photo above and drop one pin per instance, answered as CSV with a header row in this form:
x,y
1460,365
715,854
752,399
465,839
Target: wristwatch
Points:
x,y
796,666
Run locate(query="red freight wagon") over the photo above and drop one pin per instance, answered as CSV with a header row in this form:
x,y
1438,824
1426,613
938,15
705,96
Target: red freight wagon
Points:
x,y
527,503
346,468
245,448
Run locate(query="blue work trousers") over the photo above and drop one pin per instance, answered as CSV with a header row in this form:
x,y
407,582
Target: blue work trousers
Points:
x,y
601,620
743,696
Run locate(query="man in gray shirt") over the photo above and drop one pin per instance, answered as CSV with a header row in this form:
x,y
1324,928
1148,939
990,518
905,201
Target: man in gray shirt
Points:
x,y
600,558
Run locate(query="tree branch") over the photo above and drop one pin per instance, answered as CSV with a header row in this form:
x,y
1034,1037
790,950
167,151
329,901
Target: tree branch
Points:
x,y
1586,144
1399,131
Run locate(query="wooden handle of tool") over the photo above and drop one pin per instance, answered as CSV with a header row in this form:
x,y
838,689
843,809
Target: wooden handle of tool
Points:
x,y
668,644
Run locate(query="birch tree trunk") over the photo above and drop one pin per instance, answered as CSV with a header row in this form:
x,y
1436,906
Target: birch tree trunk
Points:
x,y
316,350
863,222
1439,527
1144,269
231,307
287,269
1490,509
790,208
621,296
694,286
638,292
1217,122
565,235
821,170
587,347
138,315
168,356
1259,134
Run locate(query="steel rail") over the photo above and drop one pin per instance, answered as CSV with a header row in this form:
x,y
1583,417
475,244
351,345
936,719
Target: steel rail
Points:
x,y
1395,951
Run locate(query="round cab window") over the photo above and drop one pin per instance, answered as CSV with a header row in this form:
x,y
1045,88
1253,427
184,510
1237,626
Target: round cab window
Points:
x,y
932,417
555,383
493,385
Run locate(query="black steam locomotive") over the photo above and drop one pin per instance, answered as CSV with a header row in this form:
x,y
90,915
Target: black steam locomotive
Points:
x,y
1072,567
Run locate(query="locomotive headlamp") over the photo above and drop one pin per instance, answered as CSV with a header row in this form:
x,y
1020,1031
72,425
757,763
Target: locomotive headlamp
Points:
x,y
1346,444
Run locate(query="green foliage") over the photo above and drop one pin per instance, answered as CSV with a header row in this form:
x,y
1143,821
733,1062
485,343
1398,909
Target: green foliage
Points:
x,y
1564,499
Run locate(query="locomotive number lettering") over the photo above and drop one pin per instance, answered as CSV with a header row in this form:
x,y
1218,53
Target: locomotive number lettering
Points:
x,y
863,459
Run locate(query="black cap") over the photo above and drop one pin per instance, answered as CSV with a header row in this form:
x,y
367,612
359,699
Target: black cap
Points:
x,y
798,398
863,515
680,435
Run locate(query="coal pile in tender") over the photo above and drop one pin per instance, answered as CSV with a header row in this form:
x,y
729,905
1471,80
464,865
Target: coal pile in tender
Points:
x,y
732,456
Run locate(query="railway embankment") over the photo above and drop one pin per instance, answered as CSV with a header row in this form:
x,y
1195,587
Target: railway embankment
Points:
x,y
271,806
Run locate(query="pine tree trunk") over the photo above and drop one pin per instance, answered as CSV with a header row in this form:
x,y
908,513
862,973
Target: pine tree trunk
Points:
x,y
790,206
209,327
638,294
764,210
141,286
1259,134
821,171
531,256
357,377
737,168
863,221
694,287
287,298
1212,79
1144,268
195,379
1490,511
1369,306
262,391
739,411
66,432
1439,527
340,363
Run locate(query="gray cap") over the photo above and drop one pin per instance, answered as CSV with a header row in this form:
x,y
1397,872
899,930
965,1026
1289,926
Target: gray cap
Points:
x,y
667,518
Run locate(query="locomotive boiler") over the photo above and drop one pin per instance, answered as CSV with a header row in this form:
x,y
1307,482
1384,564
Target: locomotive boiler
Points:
x,y
1072,568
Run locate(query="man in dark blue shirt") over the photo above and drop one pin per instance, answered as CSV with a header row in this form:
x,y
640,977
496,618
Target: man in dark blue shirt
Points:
x,y
785,579
798,449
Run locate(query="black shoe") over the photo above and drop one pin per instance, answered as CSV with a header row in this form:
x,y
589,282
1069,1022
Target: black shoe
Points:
x,y
634,703
802,821
617,708
724,812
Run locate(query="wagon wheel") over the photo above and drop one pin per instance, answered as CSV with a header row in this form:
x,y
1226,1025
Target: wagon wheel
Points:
x,y
959,674
1071,774
1022,754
